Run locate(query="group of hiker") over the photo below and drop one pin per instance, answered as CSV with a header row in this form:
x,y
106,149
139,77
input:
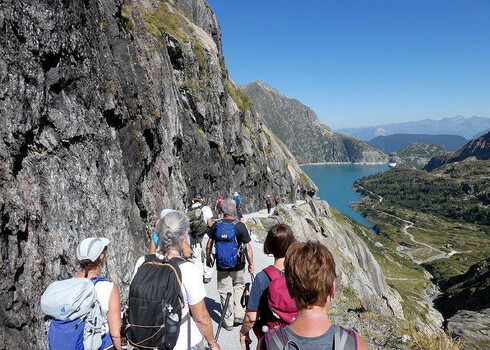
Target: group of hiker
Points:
x,y
286,308
268,202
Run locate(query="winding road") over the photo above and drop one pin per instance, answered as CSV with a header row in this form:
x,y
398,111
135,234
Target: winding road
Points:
x,y
408,224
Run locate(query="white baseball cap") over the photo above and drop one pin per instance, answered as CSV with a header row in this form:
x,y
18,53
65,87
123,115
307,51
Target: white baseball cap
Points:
x,y
165,212
91,248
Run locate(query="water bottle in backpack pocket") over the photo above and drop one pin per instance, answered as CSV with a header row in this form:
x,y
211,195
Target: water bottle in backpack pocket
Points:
x,y
227,250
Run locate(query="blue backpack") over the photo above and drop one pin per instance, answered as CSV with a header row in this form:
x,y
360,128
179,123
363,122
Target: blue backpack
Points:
x,y
238,201
227,250
76,315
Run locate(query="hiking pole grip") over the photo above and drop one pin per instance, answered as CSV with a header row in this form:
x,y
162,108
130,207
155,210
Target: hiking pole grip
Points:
x,y
223,312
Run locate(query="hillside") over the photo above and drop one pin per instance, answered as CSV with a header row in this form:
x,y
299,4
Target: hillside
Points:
x,y
465,127
478,148
299,128
416,154
111,111
440,220
396,142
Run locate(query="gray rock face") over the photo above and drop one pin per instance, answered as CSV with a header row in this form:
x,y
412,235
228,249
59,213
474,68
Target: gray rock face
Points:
x,y
110,114
299,128
355,265
473,327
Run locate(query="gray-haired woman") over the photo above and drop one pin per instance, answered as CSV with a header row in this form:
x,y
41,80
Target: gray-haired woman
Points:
x,y
173,241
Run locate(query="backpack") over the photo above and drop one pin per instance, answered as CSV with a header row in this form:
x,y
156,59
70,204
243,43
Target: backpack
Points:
x,y
218,204
238,201
268,201
77,317
345,339
226,246
155,305
276,307
196,221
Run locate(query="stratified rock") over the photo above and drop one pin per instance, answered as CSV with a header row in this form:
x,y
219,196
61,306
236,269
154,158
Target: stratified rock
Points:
x,y
110,112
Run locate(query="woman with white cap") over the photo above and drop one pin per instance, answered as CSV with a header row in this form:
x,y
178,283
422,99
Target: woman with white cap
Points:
x,y
91,253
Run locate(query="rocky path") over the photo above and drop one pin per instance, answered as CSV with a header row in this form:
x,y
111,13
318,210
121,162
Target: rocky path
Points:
x,y
230,340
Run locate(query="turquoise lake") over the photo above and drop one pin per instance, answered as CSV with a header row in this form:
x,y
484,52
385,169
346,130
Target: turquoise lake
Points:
x,y
334,183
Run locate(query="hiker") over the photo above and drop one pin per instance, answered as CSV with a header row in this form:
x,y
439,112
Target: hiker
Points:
x,y
217,207
154,235
174,246
277,241
88,300
232,242
276,200
268,202
238,201
312,285
201,218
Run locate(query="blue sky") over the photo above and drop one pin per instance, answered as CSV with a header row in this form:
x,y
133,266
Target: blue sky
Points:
x,y
364,62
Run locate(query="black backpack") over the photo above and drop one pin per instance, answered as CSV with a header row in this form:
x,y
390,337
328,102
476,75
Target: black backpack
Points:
x,y
198,227
155,304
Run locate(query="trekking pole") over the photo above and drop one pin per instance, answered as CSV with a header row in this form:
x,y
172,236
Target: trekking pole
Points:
x,y
223,312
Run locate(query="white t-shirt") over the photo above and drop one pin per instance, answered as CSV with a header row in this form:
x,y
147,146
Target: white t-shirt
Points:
x,y
104,289
207,213
193,292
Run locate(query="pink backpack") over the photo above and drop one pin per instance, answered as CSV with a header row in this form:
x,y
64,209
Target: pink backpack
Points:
x,y
218,203
281,307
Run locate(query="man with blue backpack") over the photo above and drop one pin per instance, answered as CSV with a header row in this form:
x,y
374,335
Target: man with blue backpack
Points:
x,y
231,241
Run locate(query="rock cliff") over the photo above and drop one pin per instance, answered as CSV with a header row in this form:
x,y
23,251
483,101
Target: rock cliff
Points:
x,y
299,128
364,300
110,111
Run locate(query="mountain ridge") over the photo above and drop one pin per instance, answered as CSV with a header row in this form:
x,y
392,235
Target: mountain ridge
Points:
x,y
306,137
466,127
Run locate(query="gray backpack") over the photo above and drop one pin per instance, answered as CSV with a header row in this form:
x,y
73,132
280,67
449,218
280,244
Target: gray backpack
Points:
x,y
276,339
75,311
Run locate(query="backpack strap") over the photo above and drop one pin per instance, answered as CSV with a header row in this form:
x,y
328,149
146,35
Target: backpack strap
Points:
x,y
278,340
98,279
344,338
273,273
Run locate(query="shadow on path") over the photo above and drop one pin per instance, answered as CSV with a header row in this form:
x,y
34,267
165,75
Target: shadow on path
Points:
x,y
214,309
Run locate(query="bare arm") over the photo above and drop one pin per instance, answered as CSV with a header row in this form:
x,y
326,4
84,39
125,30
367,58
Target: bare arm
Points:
x,y
209,248
250,258
203,321
114,317
248,323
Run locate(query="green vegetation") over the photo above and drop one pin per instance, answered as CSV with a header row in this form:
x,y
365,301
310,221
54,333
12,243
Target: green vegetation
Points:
x,y
449,209
241,100
304,178
455,196
127,18
162,20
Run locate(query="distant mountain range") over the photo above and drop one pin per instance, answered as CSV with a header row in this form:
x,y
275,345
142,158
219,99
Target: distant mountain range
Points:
x,y
396,142
467,127
298,127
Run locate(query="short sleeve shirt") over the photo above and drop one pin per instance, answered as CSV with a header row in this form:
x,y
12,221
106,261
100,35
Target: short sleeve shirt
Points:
x,y
242,237
261,283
